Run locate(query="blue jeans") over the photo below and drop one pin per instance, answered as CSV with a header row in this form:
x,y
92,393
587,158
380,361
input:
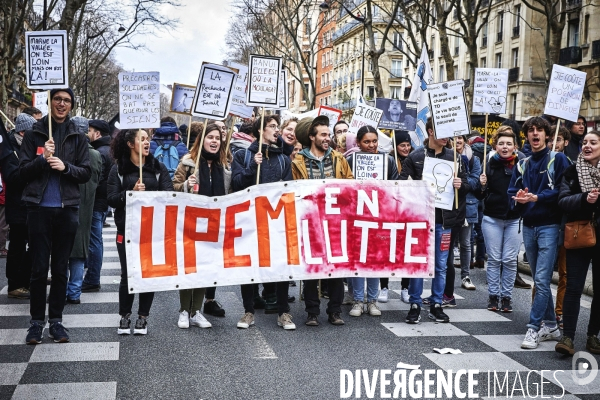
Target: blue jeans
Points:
x,y
415,288
541,244
75,278
358,288
503,243
96,250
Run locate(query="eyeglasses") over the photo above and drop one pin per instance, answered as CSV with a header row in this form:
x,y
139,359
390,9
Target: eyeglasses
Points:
x,y
59,100
341,131
273,126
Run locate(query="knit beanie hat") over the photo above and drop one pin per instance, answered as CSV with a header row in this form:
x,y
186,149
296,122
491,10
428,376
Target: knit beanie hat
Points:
x,y
24,122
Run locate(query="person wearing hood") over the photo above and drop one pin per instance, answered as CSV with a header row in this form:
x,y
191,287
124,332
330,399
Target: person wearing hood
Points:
x,y
318,161
163,140
578,130
242,139
403,148
274,167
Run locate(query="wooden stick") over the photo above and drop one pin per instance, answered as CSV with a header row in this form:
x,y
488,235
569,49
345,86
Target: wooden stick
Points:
x,y
486,142
558,122
260,141
200,147
455,175
141,153
49,116
7,120
188,132
230,133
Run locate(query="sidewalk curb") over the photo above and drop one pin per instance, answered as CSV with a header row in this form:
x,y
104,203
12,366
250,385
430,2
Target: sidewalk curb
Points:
x,y
587,289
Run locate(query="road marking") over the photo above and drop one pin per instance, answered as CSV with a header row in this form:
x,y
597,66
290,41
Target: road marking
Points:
x,y
92,351
403,329
83,390
506,343
474,315
12,372
482,361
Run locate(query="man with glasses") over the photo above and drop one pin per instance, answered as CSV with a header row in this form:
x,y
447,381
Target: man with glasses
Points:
x,y
275,166
340,128
53,168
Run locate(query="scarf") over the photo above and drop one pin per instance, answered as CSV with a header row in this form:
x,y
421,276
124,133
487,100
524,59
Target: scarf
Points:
x,y
589,176
18,138
211,180
506,162
210,156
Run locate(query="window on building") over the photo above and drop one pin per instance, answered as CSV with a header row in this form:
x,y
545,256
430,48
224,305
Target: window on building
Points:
x,y
308,27
397,40
515,57
306,94
500,25
370,65
456,73
498,60
396,68
483,62
513,105
375,38
375,11
432,47
371,92
586,28
441,77
573,32
395,92
484,35
456,45
517,16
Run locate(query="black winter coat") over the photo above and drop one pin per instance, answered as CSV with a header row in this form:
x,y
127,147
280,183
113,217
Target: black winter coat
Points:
x,y
275,167
494,195
16,210
35,171
573,201
103,147
130,174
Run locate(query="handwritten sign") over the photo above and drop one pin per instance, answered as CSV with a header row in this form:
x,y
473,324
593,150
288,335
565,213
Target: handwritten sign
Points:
x,y
333,114
449,110
369,166
46,55
213,92
439,174
489,90
263,87
283,91
397,114
40,101
364,115
139,100
565,92
182,98
238,97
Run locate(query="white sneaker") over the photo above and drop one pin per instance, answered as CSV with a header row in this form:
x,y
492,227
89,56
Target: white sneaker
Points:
x,y
532,339
285,321
348,299
199,320
373,309
184,320
404,296
547,333
357,309
467,284
383,295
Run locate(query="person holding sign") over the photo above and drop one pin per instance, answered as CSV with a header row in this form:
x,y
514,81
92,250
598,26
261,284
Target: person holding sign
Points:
x,y
274,167
130,149
53,167
444,220
534,193
213,179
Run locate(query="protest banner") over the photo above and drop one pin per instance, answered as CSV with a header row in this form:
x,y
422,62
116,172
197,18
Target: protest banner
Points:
x,y
565,92
333,114
238,97
369,166
283,91
278,232
439,173
181,98
213,91
490,90
449,109
139,100
418,93
364,115
46,55
263,78
40,101
397,114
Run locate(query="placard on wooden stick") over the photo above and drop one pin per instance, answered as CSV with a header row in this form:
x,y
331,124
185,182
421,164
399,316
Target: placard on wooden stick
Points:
x,y
139,100
490,90
213,91
181,98
263,81
449,109
565,92
46,59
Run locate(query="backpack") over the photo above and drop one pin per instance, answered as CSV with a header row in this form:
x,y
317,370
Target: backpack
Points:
x,y
168,155
522,164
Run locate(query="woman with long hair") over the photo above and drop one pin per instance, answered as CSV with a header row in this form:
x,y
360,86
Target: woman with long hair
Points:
x,y
125,176
212,179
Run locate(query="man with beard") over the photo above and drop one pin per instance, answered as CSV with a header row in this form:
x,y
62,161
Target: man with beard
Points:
x,y
318,161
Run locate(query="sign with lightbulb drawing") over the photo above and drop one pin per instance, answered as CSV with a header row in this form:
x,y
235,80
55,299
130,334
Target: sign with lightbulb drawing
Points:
x,y
439,173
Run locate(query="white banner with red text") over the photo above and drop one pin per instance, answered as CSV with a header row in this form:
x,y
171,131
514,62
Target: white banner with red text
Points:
x,y
280,231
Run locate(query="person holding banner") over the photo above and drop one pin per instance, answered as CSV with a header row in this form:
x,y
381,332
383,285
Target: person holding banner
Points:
x,y
534,191
131,151
444,220
274,166
53,165
213,179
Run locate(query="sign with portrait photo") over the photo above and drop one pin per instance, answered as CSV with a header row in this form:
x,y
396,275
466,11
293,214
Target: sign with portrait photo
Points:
x,y
397,114
182,98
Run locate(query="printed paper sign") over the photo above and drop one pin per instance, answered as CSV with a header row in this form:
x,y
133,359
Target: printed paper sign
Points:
x,y
333,114
213,92
397,114
490,90
565,92
46,55
439,173
283,91
369,166
40,101
182,98
139,100
280,231
364,115
449,110
238,97
263,89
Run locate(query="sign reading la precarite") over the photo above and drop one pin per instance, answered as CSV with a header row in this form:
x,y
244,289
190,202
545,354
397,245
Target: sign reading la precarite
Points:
x,y
46,55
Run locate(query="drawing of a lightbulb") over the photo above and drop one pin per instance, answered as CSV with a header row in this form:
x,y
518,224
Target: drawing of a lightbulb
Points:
x,y
442,174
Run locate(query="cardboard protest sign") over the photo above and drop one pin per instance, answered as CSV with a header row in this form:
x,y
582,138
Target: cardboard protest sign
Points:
x,y
364,115
280,231
238,97
333,114
369,166
440,173
46,55
283,91
40,101
397,114
489,90
139,100
418,93
213,92
449,109
565,92
182,98
263,77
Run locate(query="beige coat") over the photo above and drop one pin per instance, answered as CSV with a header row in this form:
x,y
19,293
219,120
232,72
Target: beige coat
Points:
x,y
187,167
